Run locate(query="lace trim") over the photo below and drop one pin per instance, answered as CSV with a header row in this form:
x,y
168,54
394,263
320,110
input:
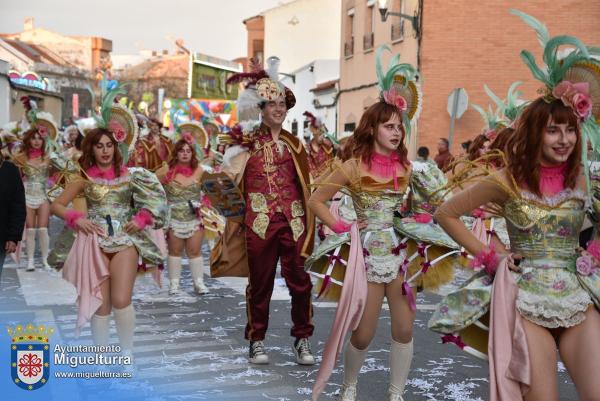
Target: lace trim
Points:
x,y
184,229
383,269
547,312
557,199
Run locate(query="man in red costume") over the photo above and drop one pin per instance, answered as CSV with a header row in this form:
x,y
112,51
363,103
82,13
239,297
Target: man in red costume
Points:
x,y
271,169
152,150
320,148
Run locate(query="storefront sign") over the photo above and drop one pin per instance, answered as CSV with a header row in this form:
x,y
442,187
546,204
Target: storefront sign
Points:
x,y
29,78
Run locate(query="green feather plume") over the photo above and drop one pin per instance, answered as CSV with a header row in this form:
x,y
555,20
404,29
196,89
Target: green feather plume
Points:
x,y
386,79
108,99
541,30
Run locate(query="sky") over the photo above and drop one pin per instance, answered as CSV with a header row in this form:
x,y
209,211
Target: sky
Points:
x,y
211,27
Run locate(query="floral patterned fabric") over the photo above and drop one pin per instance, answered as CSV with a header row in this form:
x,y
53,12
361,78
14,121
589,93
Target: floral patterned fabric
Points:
x,y
110,206
183,218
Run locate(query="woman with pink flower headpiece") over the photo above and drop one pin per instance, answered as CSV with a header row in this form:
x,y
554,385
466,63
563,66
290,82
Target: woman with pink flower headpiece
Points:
x,y
36,165
543,293
122,205
182,183
372,250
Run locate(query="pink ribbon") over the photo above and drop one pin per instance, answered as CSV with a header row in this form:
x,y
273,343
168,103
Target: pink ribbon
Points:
x,y
403,266
451,338
396,250
425,266
407,291
324,286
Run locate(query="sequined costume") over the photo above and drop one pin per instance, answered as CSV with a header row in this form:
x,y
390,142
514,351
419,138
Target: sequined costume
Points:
x,y
390,244
184,203
109,206
545,231
35,180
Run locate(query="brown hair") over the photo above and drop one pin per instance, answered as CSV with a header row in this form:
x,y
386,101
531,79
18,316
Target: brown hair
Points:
x,y
524,149
87,158
475,147
178,146
499,144
364,135
27,137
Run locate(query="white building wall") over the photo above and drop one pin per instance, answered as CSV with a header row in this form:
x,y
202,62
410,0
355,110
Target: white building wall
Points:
x,y
307,78
302,31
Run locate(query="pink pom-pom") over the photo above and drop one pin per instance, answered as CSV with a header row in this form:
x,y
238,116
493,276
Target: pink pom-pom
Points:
x,y
486,259
143,219
341,227
594,248
423,218
71,217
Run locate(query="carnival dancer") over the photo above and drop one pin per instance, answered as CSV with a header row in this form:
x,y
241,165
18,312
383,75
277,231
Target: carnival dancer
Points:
x,y
547,302
320,149
122,202
271,167
34,162
376,177
181,181
152,150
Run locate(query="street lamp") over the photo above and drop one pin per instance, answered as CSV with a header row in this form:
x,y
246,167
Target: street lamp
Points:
x,y
414,19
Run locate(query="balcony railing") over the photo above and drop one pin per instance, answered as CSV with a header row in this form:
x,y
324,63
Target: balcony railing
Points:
x,y
349,47
398,30
368,41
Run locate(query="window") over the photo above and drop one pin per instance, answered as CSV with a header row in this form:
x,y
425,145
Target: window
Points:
x,y
349,127
368,38
305,124
349,34
397,28
295,127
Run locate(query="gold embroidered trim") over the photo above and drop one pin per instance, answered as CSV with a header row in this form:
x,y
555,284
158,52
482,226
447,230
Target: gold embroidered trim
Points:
x,y
297,208
258,203
297,227
260,224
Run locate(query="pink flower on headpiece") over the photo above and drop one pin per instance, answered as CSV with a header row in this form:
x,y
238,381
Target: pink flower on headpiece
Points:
x,y
392,97
188,137
118,131
576,96
490,134
42,130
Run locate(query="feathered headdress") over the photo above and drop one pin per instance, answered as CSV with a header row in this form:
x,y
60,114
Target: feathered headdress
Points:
x,y
574,78
511,107
117,118
399,87
492,119
42,121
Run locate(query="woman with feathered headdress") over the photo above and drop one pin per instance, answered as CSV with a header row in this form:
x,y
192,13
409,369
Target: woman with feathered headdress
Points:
x,y
545,290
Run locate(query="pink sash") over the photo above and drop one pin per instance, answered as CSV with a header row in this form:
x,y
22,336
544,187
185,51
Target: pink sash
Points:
x,y
349,310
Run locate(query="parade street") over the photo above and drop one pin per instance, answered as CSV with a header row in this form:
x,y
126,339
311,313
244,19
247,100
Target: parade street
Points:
x,y
189,347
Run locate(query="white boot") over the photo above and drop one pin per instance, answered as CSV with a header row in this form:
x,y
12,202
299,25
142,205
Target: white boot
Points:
x,y
174,266
44,247
125,322
197,268
353,361
30,249
400,359
100,326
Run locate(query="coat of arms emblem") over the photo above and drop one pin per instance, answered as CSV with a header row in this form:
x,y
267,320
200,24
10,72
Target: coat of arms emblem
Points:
x,y
30,355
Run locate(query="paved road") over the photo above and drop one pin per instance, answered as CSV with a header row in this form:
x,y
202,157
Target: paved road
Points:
x,y
189,347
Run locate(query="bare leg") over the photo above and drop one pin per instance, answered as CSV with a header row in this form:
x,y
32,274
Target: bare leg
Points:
x,y
43,215
542,354
580,351
123,270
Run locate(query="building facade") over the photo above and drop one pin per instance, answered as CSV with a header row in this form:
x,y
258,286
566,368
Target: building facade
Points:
x,y
362,32
302,31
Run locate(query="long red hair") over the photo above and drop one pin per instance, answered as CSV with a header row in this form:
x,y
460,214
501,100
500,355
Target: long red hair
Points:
x,y
178,146
524,149
27,137
363,140
88,159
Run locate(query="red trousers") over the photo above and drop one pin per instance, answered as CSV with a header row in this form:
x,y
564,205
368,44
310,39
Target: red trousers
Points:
x,y
262,262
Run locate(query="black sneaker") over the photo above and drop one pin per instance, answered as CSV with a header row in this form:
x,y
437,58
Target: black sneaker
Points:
x,y
302,351
257,354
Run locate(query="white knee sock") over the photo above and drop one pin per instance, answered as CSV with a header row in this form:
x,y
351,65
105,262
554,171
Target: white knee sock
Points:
x,y
100,326
353,361
44,244
125,322
400,359
197,268
30,247
174,266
